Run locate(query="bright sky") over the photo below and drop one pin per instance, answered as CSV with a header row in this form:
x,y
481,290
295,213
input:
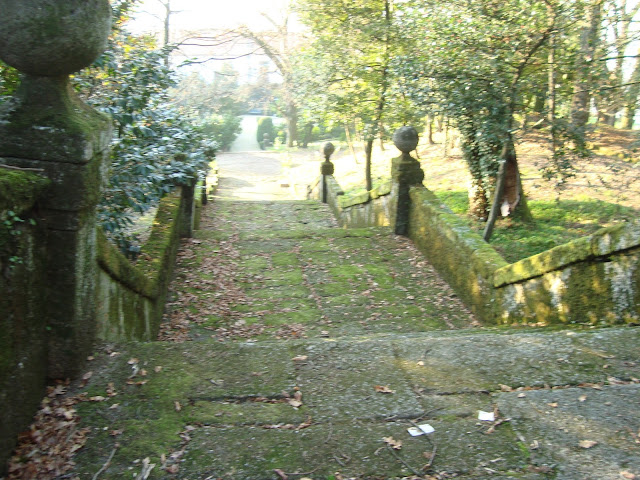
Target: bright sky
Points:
x,y
205,14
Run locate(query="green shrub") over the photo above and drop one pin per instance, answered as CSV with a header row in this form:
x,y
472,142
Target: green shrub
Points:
x,y
222,129
265,125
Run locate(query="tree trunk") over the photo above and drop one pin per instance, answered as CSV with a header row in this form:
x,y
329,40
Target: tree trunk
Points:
x,y
589,36
368,149
167,17
632,96
508,198
292,124
308,130
478,201
430,130
551,115
350,141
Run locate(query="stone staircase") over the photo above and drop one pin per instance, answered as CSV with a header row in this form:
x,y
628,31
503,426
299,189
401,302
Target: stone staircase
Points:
x,y
295,349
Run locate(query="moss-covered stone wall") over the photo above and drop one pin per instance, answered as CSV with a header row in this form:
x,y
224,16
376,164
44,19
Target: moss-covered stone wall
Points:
x,y
594,280
460,255
131,298
374,208
23,326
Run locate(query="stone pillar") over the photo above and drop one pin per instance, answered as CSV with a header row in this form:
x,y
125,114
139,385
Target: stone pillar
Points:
x,y
326,168
405,173
46,126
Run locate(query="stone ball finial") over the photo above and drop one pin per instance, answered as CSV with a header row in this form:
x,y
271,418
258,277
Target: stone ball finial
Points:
x,y
328,150
53,38
405,139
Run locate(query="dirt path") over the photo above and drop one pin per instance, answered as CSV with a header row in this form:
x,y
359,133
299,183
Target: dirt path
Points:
x,y
294,349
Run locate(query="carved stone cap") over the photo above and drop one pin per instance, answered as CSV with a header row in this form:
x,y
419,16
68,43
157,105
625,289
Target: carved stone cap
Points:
x,y
53,38
405,139
328,149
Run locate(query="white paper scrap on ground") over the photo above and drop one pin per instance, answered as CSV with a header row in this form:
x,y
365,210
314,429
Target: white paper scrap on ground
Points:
x,y
486,416
420,430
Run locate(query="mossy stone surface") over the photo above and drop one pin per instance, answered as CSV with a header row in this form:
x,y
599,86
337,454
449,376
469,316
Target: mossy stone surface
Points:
x,y
19,190
365,315
48,38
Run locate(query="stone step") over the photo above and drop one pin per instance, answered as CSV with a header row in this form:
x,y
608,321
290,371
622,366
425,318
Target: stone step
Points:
x,y
227,410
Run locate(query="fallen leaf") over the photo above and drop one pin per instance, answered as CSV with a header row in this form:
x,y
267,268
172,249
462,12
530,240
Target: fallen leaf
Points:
x,y
133,382
522,395
281,474
177,405
393,443
158,369
111,390
300,358
97,398
628,475
173,468
383,389
115,433
582,398
133,361
587,443
553,404
506,388
85,378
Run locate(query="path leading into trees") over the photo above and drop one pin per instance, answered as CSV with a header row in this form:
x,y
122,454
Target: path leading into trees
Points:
x,y
295,349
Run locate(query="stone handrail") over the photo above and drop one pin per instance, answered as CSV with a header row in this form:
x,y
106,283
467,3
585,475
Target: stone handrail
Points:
x,y
593,280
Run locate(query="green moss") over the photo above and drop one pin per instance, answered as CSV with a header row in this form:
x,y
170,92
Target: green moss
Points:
x,y
349,201
554,259
19,190
155,258
120,268
254,264
284,259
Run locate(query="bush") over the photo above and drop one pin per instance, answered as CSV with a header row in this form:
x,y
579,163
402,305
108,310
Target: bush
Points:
x,y
265,126
222,129
155,146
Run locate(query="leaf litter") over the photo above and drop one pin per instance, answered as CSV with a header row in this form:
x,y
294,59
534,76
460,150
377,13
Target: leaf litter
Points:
x,y
46,449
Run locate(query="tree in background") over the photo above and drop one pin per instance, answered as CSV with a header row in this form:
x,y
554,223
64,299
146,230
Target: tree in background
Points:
x,y
279,45
346,69
215,105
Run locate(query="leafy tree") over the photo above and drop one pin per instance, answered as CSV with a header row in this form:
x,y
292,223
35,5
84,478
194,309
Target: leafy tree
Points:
x,y
477,55
222,96
155,146
354,42
618,38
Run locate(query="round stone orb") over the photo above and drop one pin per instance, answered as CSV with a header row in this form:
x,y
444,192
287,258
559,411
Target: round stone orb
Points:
x,y
328,149
53,38
405,139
